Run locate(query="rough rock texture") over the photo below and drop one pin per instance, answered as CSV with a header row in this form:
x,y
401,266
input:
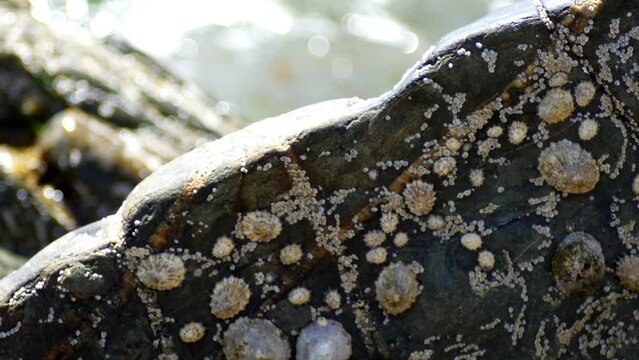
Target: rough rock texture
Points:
x,y
81,123
329,172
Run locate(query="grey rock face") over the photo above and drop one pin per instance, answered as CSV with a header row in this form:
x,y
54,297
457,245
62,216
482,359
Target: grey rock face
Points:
x,y
465,120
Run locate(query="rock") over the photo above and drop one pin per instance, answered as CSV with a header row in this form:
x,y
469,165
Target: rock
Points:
x,y
82,123
323,176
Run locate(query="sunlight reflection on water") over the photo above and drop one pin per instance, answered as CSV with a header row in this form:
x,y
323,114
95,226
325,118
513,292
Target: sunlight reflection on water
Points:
x,y
265,57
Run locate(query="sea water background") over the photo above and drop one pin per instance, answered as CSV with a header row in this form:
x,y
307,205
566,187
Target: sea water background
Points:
x,y
260,58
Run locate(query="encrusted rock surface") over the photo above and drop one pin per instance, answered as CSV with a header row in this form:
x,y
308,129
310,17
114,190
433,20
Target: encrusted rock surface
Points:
x,y
328,176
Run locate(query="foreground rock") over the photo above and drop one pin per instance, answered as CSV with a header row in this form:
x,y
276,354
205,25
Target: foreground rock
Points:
x,y
81,123
478,210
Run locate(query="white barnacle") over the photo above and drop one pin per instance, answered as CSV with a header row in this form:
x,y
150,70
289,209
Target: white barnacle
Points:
x,y
388,222
230,296
435,222
453,144
568,168
588,129
486,260
223,247
261,226
376,255
584,93
628,272
324,340
252,339
517,132
444,166
374,238
420,197
333,299
164,271
476,177
400,239
556,106
495,131
192,332
396,288
471,241
291,254
299,296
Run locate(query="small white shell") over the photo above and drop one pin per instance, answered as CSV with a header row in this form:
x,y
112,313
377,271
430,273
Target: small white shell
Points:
x,y
324,340
471,241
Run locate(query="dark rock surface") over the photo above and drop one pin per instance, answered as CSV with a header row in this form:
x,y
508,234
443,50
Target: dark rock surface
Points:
x,y
472,120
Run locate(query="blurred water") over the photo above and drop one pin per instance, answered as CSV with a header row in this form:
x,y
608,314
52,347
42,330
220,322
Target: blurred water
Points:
x,y
265,57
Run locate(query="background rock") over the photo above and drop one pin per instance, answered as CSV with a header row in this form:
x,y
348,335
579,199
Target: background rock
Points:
x,y
81,123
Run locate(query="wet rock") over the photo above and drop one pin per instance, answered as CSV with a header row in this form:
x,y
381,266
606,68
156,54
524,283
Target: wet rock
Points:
x,y
82,123
325,176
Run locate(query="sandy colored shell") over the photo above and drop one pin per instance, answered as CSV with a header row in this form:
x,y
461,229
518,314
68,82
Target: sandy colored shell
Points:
x,y
192,332
588,129
396,288
584,93
323,339
486,260
261,226
628,272
299,296
578,264
400,239
556,106
444,166
374,238
230,296
377,255
255,339
476,177
420,197
517,132
291,254
388,222
471,241
568,168
163,271
223,247
333,299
